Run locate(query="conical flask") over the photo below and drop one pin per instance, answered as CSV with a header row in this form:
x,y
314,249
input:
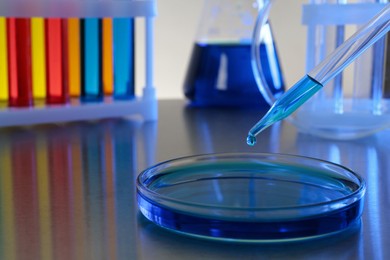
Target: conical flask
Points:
x,y
219,71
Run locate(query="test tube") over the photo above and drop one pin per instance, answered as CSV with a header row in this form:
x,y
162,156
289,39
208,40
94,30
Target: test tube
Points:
x,y
56,61
91,32
38,57
123,58
74,58
19,62
338,80
3,60
107,42
386,83
378,70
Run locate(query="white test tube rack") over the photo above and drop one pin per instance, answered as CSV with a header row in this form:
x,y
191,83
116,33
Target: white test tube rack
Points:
x,y
144,106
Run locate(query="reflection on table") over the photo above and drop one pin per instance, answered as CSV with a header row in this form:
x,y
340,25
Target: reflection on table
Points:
x,y
67,192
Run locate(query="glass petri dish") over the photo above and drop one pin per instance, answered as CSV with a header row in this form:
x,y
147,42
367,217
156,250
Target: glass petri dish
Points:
x,y
251,197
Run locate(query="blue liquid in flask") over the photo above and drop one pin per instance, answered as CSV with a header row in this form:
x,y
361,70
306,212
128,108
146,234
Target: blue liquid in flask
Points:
x,y
220,74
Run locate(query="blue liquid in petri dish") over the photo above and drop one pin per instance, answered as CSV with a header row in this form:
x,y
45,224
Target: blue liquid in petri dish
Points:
x,y
220,74
251,201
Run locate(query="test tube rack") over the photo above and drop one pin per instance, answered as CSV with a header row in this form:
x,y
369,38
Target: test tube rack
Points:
x,y
144,106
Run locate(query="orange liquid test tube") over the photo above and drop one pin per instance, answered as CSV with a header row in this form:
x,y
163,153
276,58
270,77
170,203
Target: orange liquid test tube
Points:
x,y
74,59
107,44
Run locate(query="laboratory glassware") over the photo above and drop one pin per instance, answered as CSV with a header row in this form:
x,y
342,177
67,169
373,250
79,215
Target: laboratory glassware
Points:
x,y
250,197
219,71
368,115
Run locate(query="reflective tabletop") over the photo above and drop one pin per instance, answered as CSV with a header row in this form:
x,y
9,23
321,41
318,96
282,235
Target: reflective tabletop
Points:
x,y
68,191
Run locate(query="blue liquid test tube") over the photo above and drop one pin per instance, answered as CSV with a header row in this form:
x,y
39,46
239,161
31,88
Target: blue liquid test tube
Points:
x,y
92,86
123,34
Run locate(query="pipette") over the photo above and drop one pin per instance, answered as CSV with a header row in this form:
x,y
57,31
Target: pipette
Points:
x,y
330,67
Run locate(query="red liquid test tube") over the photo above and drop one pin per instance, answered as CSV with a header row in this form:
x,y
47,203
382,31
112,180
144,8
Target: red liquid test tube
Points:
x,y
56,61
19,62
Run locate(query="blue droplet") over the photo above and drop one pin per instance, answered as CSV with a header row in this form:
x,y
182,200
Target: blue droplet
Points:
x,y
251,140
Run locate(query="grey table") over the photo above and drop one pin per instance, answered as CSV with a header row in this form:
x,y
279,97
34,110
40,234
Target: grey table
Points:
x,y
68,191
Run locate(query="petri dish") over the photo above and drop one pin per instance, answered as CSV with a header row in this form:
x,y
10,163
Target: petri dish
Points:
x,y
251,197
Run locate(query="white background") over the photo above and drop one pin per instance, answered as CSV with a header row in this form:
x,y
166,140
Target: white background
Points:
x,y
175,30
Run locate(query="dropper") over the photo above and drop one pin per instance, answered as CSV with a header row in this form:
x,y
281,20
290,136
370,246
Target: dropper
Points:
x,y
330,67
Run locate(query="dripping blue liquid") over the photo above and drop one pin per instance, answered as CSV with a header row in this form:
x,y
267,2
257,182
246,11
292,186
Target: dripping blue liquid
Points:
x,y
285,106
221,75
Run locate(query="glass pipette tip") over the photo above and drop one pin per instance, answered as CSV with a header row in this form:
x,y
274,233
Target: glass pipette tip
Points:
x,y
330,67
285,105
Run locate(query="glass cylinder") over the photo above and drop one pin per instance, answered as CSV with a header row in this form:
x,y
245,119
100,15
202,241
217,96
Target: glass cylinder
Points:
x,y
354,104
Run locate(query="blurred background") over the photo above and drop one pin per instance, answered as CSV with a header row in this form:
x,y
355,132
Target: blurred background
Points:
x,y
176,26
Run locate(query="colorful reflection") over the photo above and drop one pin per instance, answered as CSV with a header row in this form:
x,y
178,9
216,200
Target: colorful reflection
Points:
x,y
67,192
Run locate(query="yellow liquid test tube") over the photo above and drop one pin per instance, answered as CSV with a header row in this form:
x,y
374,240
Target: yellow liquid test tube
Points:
x,y
4,93
38,57
108,70
74,58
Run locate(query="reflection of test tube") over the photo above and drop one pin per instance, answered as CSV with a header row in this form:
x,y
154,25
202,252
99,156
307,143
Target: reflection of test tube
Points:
x,y
78,199
7,209
44,197
374,181
125,166
93,179
60,194
25,196
110,198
